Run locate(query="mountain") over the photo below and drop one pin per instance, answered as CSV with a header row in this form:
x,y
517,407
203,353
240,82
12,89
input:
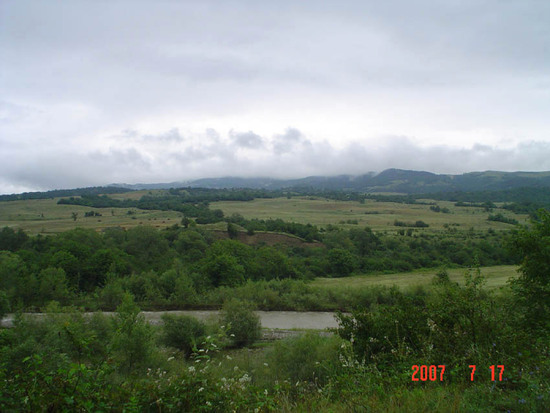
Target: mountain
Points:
x,y
390,180
394,180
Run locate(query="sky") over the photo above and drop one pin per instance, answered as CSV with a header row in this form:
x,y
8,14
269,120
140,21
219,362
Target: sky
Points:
x,y
98,92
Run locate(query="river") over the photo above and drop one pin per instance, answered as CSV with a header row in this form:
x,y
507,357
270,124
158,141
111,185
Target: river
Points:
x,y
283,320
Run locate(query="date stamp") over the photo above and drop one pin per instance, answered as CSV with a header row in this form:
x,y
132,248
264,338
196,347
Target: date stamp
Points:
x,y
434,372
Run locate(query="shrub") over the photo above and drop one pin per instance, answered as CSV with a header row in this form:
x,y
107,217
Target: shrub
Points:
x,y
501,218
243,324
132,342
182,332
441,277
309,357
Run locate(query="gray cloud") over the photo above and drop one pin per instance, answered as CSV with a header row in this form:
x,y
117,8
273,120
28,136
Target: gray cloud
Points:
x,y
248,140
211,154
467,81
173,135
288,141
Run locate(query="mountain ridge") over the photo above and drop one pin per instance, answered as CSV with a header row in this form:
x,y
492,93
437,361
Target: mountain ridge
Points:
x,y
390,180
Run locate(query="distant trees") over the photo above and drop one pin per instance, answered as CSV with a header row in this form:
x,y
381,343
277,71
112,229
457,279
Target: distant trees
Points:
x,y
501,218
11,240
437,208
417,224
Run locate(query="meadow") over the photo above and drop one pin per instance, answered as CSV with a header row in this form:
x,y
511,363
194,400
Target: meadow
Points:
x,y
379,216
45,216
495,276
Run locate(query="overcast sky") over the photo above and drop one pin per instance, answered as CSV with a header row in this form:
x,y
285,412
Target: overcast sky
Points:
x,y
96,92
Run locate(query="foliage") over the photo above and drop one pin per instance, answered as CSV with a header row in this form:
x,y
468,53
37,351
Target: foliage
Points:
x,y
70,361
224,270
132,343
4,304
232,230
532,287
242,323
11,240
501,218
53,285
308,357
417,224
182,332
340,262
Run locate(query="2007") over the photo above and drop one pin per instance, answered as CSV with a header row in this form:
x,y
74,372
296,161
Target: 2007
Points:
x,y
427,372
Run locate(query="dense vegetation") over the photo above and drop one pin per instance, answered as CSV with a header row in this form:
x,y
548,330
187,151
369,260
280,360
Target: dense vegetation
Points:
x,y
76,362
188,267
82,362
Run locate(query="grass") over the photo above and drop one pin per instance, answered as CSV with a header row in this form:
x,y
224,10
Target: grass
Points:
x,y
380,216
496,277
46,216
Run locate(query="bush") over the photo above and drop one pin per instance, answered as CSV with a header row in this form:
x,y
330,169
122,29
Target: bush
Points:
x,y
182,332
309,357
132,342
242,323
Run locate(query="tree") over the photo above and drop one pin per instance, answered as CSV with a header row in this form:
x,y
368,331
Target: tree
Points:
x,y
224,270
272,264
232,230
340,262
74,215
532,287
185,222
148,247
4,304
53,285
132,343
10,240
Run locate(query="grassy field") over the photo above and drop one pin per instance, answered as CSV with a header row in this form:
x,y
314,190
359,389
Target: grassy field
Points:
x,y
46,216
379,216
496,277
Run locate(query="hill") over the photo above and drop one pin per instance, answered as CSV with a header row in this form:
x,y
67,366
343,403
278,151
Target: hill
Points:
x,y
390,180
393,180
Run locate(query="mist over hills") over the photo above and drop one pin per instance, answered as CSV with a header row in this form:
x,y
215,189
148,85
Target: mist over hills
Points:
x,y
390,180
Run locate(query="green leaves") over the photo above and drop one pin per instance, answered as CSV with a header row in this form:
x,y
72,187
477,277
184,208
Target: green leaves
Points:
x,y
532,287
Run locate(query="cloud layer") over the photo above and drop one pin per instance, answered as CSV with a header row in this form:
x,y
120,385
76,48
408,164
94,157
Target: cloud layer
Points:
x,y
172,90
170,156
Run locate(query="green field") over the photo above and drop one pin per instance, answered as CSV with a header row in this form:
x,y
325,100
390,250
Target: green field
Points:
x,y
46,216
380,216
496,276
